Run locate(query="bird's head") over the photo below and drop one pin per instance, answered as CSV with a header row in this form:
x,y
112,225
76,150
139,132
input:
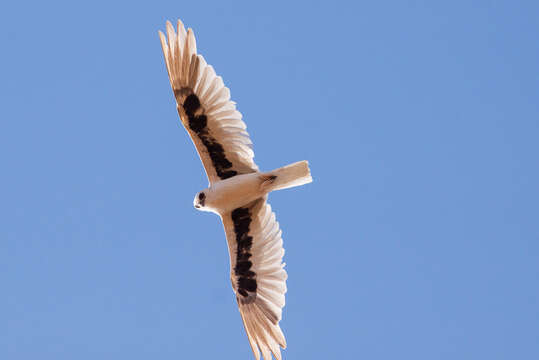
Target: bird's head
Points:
x,y
200,200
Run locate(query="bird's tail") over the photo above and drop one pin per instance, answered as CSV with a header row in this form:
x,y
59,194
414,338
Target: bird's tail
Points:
x,y
288,176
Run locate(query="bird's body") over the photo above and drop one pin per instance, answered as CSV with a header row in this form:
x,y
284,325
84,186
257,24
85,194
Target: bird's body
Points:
x,y
229,194
237,191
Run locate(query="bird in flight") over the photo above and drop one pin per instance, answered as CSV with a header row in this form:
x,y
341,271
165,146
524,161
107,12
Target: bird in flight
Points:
x,y
237,190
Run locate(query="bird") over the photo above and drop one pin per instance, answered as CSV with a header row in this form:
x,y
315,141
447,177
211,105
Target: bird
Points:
x,y
237,190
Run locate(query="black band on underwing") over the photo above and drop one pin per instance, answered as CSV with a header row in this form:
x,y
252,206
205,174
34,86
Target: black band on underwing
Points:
x,y
198,124
241,218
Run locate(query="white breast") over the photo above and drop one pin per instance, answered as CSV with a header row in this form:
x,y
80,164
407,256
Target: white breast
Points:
x,y
227,195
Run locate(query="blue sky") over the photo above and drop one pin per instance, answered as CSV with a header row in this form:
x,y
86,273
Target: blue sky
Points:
x,y
419,238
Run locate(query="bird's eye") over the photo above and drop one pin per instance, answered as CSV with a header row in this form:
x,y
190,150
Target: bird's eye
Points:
x,y
201,196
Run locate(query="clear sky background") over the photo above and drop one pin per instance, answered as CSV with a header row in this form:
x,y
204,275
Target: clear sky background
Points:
x,y
419,238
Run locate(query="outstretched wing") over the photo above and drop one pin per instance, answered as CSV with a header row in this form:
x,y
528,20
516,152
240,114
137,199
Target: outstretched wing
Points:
x,y
205,108
257,274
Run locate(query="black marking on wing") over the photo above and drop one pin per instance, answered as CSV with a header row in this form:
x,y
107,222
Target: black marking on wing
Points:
x,y
198,124
241,218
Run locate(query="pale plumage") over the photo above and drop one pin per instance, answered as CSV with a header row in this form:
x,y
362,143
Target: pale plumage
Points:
x,y
237,191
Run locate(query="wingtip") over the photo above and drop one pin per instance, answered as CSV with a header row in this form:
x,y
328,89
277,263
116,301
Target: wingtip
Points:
x,y
169,26
181,29
162,36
